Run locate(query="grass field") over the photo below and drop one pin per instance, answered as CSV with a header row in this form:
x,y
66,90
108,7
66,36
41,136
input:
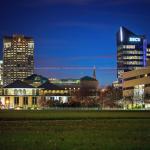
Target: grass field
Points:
x,y
74,130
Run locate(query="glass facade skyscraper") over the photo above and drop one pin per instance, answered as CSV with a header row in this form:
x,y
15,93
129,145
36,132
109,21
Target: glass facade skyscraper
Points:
x,y
18,58
131,51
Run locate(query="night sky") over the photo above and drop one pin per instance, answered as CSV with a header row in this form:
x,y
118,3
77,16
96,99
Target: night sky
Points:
x,y
72,36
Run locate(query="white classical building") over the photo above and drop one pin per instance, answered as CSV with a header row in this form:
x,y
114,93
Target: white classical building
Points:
x,y
19,95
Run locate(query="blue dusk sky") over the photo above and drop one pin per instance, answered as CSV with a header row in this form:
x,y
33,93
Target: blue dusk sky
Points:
x,y
72,36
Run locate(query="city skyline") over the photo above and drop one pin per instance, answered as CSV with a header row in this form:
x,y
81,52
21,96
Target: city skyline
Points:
x,y
74,35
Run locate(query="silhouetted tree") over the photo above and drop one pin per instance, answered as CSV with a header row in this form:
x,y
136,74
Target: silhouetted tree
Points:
x,y
110,96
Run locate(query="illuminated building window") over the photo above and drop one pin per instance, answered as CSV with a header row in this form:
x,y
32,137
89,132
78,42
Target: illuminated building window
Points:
x,y
132,57
132,52
7,45
133,63
31,45
25,100
16,100
128,46
34,100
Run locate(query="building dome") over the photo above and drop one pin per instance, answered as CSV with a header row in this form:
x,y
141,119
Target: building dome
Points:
x,y
87,78
35,80
88,82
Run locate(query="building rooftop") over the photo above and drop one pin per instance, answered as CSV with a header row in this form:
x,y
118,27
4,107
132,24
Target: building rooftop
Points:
x,y
49,86
127,31
35,77
87,78
19,84
18,36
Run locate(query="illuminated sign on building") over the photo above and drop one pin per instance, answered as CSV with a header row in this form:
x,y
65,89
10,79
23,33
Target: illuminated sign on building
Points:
x,y
134,39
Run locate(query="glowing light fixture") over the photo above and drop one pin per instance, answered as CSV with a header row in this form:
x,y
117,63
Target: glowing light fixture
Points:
x,y
121,34
7,102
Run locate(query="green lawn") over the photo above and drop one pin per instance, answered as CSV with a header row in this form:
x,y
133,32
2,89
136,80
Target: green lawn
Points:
x,y
74,130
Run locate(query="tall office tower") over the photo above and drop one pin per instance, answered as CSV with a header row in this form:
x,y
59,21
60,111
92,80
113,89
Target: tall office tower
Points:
x,y
18,58
1,73
131,51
